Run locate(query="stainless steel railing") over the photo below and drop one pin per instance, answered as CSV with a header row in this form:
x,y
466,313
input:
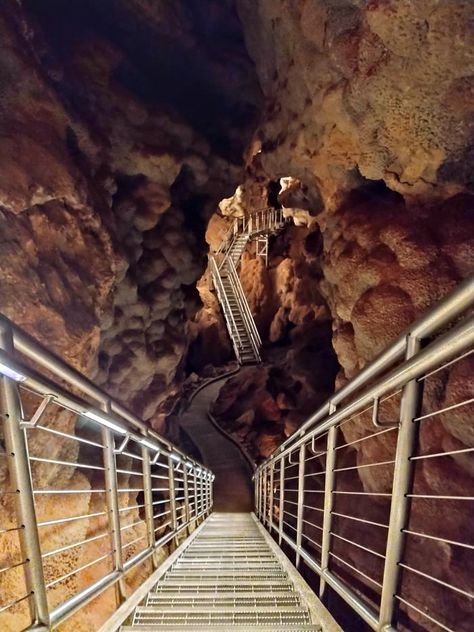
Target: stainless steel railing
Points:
x,y
222,265
260,221
248,319
88,491
243,334
348,493
232,328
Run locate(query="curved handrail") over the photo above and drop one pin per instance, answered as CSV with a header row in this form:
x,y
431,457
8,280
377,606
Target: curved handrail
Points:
x,y
437,317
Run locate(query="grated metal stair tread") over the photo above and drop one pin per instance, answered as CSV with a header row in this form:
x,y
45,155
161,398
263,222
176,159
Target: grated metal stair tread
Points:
x,y
228,578
223,628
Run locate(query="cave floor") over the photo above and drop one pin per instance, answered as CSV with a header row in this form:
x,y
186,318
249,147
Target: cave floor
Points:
x,y
233,490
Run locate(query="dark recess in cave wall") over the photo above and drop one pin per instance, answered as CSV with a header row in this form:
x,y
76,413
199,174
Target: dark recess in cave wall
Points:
x,y
204,75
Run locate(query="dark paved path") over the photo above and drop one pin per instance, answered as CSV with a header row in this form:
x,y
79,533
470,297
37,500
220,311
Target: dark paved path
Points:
x,y
233,488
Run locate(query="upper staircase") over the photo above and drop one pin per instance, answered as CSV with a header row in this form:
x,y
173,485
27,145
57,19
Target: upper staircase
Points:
x,y
224,271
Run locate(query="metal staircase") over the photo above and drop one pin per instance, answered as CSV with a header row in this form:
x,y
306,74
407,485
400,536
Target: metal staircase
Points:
x,y
224,265
229,575
309,494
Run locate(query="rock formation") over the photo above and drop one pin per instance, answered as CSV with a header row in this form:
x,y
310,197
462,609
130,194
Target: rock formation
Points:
x,y
124,123
111,167
368,127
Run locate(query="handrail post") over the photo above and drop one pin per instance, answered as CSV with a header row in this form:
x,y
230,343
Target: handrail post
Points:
x,y
299,520
256,493
148,500
208,496
270,500
205,492
282,499
111,498
199,493
192,488
16,446
265,496
402,482
186,498
329,482
172,491
211,499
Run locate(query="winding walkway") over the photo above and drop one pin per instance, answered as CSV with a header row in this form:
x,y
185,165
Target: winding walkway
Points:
x,y
233,485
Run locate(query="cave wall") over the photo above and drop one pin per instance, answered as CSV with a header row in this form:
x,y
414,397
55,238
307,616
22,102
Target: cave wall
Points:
x,y
122,124
368,106
375,89
109,176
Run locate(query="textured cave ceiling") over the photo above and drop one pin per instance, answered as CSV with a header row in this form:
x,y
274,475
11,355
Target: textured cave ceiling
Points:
x,y
187,58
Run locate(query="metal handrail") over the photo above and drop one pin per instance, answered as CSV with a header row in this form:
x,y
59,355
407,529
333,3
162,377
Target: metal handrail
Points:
x,y
296,488
437,317
224,301
260,221
117,434
244,307
31,349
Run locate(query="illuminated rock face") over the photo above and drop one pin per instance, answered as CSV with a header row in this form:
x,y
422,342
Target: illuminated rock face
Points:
x,y
109,174
372,89
368,107
122,126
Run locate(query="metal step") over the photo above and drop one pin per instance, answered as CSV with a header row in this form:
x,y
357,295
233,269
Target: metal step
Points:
x,y
167,627
227,579
267,616
229,599
211,587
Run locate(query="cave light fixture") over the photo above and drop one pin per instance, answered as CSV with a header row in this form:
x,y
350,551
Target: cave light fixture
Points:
x,y
11,373
175,457
104,421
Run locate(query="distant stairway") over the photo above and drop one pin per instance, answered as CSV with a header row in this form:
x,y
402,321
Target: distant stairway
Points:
x,y
229,578
224,265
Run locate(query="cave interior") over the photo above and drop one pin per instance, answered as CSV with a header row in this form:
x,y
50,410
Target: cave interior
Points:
x,y
134,134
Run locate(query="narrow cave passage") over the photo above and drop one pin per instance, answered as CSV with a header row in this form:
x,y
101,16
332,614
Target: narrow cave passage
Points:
x,y
233,489
236,368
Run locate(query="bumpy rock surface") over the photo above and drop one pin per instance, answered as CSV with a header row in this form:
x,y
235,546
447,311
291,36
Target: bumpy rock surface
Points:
x,y
373,89
368,124
111,167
